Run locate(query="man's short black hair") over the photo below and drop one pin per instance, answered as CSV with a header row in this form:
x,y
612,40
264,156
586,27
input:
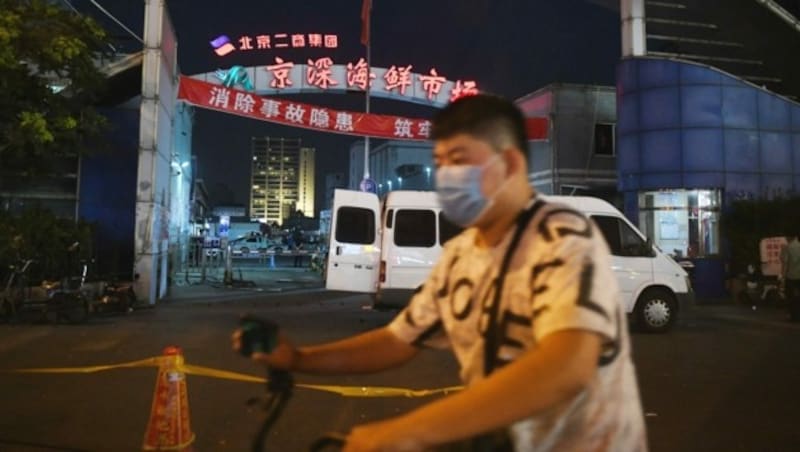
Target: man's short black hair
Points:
x,y
484,116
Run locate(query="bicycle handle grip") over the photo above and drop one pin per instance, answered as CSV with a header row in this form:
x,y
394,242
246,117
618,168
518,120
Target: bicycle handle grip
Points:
x,y
258,335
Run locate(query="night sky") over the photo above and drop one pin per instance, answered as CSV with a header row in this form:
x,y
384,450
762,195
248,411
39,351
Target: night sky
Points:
x,y
510,47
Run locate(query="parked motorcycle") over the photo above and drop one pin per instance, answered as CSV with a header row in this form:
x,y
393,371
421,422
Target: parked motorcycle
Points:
x,y
51,300
114,296
761,289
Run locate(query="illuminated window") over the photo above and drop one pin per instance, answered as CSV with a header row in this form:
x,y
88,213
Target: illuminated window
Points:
x,y
684,223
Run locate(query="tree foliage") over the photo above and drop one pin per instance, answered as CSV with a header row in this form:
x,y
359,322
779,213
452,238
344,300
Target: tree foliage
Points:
x,y
749,221
38,234
44,46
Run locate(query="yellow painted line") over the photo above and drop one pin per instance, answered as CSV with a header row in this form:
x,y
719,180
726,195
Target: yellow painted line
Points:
x,y
189,369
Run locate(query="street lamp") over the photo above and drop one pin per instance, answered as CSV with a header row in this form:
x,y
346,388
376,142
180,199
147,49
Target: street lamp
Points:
x,y
390,185
428,174
400,182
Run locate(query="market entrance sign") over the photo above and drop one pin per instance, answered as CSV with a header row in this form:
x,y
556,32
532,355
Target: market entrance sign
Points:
x,y
322,75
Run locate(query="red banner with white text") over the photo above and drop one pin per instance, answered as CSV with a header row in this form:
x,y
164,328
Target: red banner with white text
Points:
x,y
217,97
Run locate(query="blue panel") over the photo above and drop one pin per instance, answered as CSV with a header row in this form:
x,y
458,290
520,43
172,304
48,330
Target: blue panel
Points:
x,y
659,108
631,206
628,114
739,107
776,152
741,150
796,152
776,185
661,151
694,74
796,189
701,106
628,154
730,80
708,278
659,181
773,112
796,118
657,73
627,76
703,180
628,182
702,150
743,185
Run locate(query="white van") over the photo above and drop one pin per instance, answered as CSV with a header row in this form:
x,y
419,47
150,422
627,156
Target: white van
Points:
x,y
389,248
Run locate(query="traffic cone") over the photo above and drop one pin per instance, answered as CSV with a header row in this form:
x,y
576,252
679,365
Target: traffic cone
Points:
x,y
169,427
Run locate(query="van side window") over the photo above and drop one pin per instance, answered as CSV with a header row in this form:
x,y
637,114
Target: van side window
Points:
x,y
447,230
415,228
355,225
621,238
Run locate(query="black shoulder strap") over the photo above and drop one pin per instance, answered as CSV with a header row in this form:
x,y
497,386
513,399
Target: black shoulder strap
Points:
x,y
493,334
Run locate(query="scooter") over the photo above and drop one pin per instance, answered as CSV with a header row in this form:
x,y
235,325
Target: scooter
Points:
x,y
114,296
761,289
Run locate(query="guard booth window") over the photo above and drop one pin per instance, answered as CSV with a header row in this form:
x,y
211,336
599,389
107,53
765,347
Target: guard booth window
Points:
x,y
447,230
622,239
355,225
415,228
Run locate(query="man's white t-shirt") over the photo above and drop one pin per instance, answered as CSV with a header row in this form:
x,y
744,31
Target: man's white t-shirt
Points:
x,y
559,278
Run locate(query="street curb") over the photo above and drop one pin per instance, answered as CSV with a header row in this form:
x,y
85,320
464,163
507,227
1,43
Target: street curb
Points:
x,y
743,318
236,294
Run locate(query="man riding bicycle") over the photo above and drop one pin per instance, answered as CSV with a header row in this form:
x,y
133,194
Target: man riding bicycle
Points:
x,y
526,299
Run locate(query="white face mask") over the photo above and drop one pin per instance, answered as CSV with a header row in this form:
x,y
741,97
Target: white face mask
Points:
x,y
459,190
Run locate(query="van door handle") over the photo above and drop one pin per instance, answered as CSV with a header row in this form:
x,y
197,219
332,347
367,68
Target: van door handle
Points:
x,y
338,250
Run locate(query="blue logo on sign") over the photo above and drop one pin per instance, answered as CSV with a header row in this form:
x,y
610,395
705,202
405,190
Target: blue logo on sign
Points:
x,y
369,186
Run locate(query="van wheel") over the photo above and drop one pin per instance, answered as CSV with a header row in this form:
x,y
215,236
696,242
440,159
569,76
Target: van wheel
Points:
x,y
656,311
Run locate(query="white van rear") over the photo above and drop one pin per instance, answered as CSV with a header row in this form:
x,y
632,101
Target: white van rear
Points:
x,y
389,250
412,235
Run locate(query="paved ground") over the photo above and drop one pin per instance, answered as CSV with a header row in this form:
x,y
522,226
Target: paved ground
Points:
x,y
724,380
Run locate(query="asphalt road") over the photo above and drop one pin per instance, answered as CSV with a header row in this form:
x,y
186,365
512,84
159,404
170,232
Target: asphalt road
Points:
x,y
724,381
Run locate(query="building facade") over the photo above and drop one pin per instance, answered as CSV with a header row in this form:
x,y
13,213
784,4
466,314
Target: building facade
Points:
x,y
332,182
394,165
579,155
282,179
706,116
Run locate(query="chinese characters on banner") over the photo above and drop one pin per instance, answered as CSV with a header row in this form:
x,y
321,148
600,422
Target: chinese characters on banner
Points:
x,y
771,248
396,79
224,45
217,97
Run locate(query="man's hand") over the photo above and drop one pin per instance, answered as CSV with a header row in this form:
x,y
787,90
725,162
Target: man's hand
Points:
x,y
283,357
384,436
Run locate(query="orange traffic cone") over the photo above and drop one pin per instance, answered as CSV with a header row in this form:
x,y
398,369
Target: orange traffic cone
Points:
x,y
168,428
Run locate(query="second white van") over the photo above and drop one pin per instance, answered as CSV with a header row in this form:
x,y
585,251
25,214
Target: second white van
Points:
x,y
388,249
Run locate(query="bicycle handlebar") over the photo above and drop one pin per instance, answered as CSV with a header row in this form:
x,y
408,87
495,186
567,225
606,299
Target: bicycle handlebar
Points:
x,y
262,335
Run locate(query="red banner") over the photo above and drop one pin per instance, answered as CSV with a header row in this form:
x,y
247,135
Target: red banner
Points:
x,y
217,97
